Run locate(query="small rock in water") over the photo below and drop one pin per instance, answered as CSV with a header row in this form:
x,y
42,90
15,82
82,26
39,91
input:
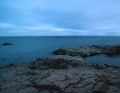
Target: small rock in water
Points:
x,y
3,59
6,44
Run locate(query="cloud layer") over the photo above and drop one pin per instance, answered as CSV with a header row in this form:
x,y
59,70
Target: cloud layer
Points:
x,y
63,17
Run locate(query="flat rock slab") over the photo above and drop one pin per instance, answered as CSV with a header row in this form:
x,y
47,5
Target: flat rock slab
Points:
x,y
77,80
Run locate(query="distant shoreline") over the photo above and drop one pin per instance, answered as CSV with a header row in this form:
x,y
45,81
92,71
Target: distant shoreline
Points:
x,y
60,36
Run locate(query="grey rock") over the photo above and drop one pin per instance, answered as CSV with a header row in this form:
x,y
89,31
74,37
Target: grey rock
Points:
x,y
28,90
86,51
59,62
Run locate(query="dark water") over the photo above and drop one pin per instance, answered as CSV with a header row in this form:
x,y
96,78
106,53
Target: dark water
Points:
x,y
104,59
29,48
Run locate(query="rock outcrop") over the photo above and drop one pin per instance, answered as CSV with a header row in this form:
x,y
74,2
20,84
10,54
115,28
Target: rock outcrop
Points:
x,y
59,62
63,73
86,51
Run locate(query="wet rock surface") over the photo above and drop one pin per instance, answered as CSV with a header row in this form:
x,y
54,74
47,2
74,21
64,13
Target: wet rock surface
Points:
x,y
60,74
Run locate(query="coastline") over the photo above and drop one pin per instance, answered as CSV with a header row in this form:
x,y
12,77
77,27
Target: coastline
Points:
x,y
66,71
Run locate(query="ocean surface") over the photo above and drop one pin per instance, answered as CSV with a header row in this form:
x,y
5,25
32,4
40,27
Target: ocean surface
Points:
x,y
29,48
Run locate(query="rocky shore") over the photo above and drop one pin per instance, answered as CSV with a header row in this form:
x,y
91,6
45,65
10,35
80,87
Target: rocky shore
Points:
x,y
87,51
65,72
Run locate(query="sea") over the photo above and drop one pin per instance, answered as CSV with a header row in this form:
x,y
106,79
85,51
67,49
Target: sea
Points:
x,y
28,48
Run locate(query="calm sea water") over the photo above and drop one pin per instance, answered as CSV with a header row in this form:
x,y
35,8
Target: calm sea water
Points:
x,y
29,48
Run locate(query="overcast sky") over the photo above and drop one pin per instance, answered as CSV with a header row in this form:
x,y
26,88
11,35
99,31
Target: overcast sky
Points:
x,y
59,17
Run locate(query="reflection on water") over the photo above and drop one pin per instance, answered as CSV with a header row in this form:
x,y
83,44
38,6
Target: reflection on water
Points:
x,y
104,59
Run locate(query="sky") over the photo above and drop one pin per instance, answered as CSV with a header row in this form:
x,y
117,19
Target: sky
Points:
x,y
59,17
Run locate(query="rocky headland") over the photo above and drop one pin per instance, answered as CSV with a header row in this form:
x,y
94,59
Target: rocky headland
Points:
x,y
65,72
